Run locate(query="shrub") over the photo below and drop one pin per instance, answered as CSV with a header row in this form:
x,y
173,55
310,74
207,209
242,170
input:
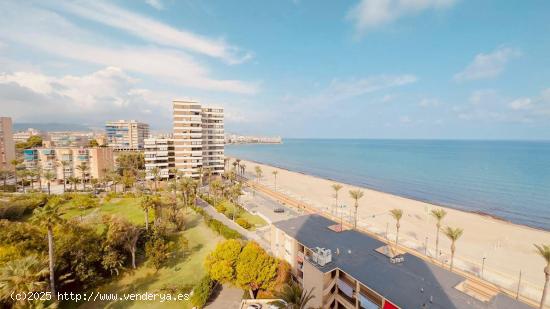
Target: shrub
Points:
x,y
202,291
221,208
244,223
21,205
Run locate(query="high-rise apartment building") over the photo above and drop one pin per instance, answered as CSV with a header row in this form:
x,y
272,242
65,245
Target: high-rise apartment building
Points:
x,y
159,153
198,138
7,146
126,135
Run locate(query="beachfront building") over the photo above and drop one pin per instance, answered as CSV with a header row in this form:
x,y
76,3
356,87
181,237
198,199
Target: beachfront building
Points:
x,y
159,153
99,161
126,135
198,138
7,145
349,269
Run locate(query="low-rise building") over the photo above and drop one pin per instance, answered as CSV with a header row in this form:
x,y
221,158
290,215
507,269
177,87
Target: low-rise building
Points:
x,y
64,162
349,269
159,153
23,136
69,139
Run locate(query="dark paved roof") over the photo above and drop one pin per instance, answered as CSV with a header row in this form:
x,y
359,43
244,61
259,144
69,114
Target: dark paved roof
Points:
x,y
400,283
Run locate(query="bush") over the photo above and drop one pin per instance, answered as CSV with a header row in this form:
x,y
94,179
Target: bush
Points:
x,y
244,223
202,291
21,205
221,208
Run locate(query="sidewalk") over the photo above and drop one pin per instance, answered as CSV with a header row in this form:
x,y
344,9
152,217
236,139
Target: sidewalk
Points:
x,y
220,217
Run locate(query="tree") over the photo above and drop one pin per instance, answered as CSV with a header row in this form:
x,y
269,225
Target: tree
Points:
x,y
38,172
15,163
188,188
255,268
83,168
155,171
356,195
34,141
93,143
22,275
201,292
124,234
147,202
397,214
4,174
293,297
49,176
157,251
453,234
275,172
259,172
438,214
544,252
64,165
336,187
221,263
73,180
48,217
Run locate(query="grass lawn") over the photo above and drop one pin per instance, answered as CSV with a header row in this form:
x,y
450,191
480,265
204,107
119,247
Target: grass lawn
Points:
x,y
179,272
255,220
128,208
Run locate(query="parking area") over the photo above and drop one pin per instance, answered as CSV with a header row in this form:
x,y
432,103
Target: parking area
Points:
x,y
259,203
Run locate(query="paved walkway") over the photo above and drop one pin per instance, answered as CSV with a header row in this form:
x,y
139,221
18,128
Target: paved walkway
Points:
x,y
228,222
226,297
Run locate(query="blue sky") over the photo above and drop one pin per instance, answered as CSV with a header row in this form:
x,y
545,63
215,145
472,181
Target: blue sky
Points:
x,y
355,69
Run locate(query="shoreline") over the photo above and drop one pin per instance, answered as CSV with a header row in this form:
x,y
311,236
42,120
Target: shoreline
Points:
x,y
436,205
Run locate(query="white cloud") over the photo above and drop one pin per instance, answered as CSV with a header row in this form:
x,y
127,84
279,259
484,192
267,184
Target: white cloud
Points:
x,y
369,14
155,31
483,96
157,4
521,103
109,93
51,33
485,66
340,89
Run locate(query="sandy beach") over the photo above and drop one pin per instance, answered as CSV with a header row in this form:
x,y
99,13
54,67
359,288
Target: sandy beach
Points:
x,y
507,247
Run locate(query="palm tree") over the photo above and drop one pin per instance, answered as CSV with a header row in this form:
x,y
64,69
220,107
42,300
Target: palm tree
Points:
x,y
336,187
23,275
259,172
397,214
453,234
155,171
49,176
15,163
38,172
73,180
147,203
438,214
275,172
4,173
64,165
243,169
49,216
356,195
293,297
544,252
83,169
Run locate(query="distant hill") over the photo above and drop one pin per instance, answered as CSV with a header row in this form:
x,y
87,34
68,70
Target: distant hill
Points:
x,y
49,127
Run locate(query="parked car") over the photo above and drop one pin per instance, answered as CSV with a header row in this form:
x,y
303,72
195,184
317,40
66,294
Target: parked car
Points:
x,y
279,210
254,306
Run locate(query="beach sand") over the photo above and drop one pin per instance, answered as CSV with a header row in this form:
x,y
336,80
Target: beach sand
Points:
x,y
507,248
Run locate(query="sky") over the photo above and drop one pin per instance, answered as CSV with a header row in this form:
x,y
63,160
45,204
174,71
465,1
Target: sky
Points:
x,y
434,69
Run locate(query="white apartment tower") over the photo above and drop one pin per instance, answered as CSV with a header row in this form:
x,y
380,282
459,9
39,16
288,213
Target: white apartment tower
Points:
x,y
126,135
159,153
198,138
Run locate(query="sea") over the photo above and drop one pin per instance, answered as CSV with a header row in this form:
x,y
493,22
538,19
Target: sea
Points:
x,y
509,180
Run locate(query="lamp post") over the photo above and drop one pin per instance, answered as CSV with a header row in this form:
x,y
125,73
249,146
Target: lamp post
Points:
x,y
482,266
426,247
342,217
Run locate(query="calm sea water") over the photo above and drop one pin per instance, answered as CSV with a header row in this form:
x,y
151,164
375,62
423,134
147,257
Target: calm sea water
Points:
x,y
507,179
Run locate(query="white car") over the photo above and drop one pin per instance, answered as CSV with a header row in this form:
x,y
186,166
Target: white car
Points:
x,y
254,306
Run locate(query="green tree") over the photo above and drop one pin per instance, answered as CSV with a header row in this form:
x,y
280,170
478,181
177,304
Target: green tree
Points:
x,y
397,214
83,168
255,268
275,172
221,263
356,195
155,171
201,292
293,297
124,234
22,275
157,251
147,203
64,165
49,176
453,234
15,164
336,187
48,217
93,143
34,142
259,172
438,214
544,252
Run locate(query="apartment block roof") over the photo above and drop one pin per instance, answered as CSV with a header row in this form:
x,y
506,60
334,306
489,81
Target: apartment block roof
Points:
x,y
414,283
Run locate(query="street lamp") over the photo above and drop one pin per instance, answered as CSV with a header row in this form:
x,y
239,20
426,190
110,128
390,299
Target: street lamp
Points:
x,y
342,217
482,266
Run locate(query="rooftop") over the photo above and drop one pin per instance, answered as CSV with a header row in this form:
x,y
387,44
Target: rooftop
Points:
x,y
410,284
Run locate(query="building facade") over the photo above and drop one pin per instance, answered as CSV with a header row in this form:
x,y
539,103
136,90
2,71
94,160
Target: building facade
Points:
x,y
159,153
7,145
69,139
198,138
349,269
126,135
23,136
65,162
